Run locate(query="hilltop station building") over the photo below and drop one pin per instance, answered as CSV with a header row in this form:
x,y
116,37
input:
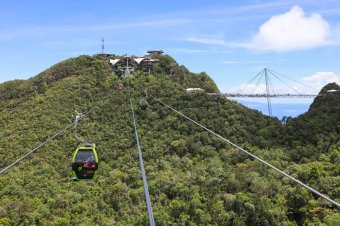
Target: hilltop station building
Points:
x,y
122,63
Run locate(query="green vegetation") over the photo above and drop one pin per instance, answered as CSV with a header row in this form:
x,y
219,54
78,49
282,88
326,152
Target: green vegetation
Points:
x,y
194,178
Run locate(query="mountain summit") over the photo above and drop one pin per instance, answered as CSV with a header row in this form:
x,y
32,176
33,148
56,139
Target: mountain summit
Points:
x,y
194,177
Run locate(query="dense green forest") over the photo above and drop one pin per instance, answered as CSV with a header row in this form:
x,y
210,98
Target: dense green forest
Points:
x,y
194,177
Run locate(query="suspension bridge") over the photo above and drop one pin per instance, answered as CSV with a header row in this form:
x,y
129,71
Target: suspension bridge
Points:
x,y
266,90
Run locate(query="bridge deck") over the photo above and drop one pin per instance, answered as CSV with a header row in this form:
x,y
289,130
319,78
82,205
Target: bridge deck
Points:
x,y
271,95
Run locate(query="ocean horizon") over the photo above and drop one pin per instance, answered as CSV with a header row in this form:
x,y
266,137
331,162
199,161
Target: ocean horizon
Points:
x,y
279,110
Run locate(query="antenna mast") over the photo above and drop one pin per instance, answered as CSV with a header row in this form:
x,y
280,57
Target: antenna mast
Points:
x,y
103,46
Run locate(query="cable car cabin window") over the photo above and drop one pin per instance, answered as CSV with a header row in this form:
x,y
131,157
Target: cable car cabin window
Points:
x,y
85,164
84,155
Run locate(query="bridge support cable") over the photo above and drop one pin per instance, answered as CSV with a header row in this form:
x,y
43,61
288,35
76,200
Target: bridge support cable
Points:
x,y
267,73
247,84
253,91
274,72
286,83
141,164
250,154
273,93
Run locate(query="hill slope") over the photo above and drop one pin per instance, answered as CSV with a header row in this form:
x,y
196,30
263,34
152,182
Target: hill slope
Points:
x,y
194,177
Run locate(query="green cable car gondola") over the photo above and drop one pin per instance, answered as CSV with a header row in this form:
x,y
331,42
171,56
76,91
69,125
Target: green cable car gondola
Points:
x,y
85,161
143,104
85,158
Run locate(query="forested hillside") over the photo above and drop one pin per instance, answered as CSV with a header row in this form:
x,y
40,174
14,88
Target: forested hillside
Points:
x,y
194,177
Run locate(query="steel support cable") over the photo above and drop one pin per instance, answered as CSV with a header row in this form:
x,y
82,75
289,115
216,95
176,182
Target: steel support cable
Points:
x,y
257,83
274,72
285,83
271,85
141,164
240,90
250,154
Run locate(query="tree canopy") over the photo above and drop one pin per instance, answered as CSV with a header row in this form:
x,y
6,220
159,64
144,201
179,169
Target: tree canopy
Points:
x,y
194,177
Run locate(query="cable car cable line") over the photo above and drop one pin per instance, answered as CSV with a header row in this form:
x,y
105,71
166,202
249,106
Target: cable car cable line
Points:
x,y
50,138
36,148
145,184
85,161
43,143
250,154
141,164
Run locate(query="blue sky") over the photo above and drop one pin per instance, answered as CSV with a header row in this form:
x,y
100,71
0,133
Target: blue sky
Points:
x,y
230,40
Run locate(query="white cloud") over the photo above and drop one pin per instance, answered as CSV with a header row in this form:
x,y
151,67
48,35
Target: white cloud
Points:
x,y
209,41
320,79
292,31
307,85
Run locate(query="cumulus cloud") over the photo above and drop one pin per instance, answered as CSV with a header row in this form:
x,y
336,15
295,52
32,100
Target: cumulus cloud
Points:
x,y
307,85
292,30
320,79
209,41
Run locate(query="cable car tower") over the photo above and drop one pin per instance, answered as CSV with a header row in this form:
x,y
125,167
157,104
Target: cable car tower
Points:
x,y
269,88
125,64
127,69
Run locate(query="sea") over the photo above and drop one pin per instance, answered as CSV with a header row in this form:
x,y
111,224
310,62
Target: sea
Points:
x,y
288,107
